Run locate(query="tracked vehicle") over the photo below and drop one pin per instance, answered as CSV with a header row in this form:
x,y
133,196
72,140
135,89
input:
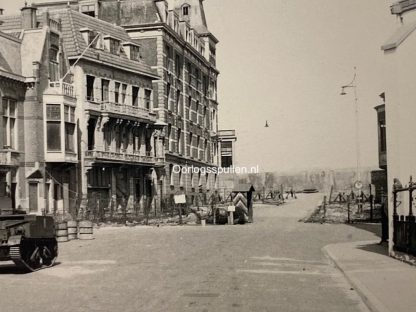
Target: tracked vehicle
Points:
x,y
28,240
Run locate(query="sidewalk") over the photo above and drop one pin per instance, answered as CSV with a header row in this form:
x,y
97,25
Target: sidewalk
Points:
x,y
385,284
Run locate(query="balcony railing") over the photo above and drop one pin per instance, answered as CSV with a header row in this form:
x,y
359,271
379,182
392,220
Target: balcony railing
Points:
x,y
9,158
122,109
122,157
63,88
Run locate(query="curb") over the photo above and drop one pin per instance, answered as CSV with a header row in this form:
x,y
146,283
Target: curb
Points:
x,y
370,300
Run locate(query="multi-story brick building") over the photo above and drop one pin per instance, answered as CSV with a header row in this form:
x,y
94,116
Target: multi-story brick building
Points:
x,y
173,38
90,130
30,60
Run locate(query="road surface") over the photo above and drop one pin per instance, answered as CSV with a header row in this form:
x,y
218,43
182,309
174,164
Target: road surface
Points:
x,y
274,264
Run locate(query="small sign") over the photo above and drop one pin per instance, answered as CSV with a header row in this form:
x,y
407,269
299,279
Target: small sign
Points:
x,y
180,199
231,208
358,185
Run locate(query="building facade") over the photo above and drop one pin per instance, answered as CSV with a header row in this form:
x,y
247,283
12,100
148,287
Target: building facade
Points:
x,y
118,98
400,96
173,39
91,138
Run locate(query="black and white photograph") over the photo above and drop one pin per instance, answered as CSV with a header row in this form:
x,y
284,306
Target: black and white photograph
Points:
x,y
207,155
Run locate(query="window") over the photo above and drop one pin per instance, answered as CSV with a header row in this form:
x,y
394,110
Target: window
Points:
x,y
91,37
54,63
117,92
185,10
69,137
53,120
69,117
205,85
88,10
90,88
147,98
197,78
105,90
179,141
9,123
123,93
114,46
226,161
168,57
169,136
135,96
135,53
178,65
168,87
178,102
189,72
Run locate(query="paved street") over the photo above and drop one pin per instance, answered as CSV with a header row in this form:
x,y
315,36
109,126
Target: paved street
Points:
x,y
274,264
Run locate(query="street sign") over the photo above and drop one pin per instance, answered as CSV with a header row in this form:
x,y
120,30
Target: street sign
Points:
x,y
231,208
180,199
358,185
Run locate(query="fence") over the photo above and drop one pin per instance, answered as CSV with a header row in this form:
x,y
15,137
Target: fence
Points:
x,y
404,227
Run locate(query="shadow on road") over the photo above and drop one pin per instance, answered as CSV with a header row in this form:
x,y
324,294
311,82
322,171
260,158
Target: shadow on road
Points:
x,y
376,248
374,228
10,268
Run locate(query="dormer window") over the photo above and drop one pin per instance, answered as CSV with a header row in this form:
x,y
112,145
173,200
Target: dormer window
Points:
x,y
88,10
132,51
112,44
89,36
185,10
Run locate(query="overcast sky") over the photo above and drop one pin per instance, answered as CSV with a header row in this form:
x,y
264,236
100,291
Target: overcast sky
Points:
x,y
284,61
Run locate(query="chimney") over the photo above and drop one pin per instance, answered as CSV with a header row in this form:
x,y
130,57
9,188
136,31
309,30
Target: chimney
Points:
x,y
28,14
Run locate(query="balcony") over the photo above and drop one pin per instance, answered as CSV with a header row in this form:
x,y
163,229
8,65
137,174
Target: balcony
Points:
x,y
122,158
61,157
227,135
9,158
61,88
122,110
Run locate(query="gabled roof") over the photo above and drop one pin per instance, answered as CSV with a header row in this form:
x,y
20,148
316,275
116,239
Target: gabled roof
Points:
x,y
73,21
10,65
399,36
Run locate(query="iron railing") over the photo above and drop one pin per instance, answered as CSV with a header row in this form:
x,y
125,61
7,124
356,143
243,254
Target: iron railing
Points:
x,y
404,226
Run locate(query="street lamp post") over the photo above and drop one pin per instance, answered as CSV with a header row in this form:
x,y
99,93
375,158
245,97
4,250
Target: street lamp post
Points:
x,y
353,85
